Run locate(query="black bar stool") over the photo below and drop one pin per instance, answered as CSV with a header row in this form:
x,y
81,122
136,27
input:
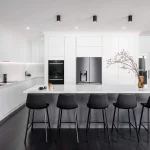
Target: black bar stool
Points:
x,y
36,102
68,102
128,102
145,105
97,101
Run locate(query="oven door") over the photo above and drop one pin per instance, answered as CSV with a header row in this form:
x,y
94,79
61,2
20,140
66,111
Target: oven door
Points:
x,y
56,71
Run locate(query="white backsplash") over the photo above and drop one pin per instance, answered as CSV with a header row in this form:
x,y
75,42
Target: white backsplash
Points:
x,y
16,71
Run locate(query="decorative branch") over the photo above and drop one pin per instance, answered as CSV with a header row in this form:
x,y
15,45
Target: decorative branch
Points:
x,y
125,62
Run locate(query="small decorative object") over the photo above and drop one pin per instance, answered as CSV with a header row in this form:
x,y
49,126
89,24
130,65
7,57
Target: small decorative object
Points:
x,y
140,81
127,62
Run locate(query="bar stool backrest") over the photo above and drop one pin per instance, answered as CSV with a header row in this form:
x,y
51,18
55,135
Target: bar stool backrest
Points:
x,y
98,100
148,103
126,101
36,101
67,101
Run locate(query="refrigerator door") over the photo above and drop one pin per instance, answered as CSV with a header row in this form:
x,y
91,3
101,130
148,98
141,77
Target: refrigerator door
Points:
x,y
82,67
95,69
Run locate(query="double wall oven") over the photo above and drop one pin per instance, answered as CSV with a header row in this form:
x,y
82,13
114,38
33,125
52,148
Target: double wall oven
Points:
x,y
56,71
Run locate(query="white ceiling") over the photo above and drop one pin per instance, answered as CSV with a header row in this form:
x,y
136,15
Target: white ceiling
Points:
x,y
40,15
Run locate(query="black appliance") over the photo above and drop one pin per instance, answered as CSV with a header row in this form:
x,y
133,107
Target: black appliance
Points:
x,y
142,69
89,70
56,71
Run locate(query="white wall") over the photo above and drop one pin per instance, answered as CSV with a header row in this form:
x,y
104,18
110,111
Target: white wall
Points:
x,y
16,71
14,47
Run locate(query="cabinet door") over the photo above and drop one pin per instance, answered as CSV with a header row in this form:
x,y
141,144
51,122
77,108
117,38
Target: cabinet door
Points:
x,y
89,51
110,49
70,60
89,41
56,46
128,44
144,44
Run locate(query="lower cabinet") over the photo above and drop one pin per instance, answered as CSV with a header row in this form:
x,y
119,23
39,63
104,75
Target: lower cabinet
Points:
x,y
12,96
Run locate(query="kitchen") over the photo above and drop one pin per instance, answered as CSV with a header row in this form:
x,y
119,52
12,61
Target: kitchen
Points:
x,y
69,55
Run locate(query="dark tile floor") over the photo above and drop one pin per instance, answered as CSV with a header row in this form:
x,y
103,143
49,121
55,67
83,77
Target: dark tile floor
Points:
x,y
12,138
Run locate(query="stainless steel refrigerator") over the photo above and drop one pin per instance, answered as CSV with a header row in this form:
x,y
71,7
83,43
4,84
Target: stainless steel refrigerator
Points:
x,y
89,70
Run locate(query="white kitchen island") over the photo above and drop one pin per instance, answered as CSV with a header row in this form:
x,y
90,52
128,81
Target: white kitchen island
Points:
x,y
82,95
89,88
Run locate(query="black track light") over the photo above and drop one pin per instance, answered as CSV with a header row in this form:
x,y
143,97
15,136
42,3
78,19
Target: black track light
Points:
x,y
58,18
94,18
130,18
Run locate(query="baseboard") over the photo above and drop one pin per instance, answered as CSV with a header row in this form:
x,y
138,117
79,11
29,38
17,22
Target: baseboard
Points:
x,y
11,114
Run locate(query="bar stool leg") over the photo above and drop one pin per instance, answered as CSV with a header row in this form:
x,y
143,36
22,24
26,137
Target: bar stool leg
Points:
x,y
48,118
88,136
32,120
76,124
118,126
135,124
129,120
45,124
113,120
27,127
148,124
103,119
59,123
107,125
87,121
141,119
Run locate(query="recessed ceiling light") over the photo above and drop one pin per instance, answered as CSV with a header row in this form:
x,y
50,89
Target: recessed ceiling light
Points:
x,y
124,28
28,28
42,38
76,27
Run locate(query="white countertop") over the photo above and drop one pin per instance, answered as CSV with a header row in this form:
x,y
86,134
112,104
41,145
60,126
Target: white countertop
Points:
x,y
16,82
89,88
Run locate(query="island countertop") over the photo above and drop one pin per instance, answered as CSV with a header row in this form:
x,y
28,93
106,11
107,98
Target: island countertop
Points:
x,y
89,88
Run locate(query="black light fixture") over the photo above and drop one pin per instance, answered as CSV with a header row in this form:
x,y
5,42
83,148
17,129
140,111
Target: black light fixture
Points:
x,y
58,18
94,18
130,18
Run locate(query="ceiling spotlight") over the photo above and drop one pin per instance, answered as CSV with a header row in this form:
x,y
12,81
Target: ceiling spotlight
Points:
x,y
76,27
42,38
28,28
123,28
94,18
130,18
58,18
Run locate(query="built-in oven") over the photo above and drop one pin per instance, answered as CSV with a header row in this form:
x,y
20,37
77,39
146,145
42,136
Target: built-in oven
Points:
x,y
56,71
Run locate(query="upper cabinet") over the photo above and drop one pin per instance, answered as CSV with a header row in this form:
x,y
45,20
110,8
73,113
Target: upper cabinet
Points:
x,y
89,46
56,47
144,44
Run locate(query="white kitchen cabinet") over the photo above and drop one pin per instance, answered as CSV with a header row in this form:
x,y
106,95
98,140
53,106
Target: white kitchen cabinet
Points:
x,y
70,60
89,41
89,46
110,48
56,47
128,44
12,96
144,44
89,51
